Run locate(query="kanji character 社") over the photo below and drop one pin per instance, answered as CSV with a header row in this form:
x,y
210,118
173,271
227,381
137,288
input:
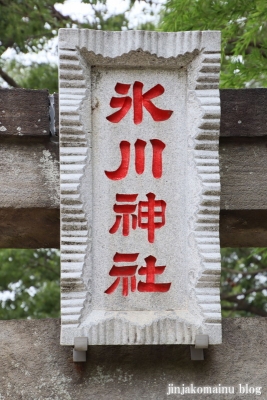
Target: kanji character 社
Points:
x,y
125,272
157,148
140,100
128,272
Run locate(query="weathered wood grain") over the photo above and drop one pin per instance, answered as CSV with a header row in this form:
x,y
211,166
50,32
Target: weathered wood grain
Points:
x,y
29,228
56,114
243,228
243,167
29,173
24,112
243,112
29,195
29,211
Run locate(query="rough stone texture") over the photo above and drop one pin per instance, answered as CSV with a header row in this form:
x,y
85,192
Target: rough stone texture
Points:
x,y
187,65
35,367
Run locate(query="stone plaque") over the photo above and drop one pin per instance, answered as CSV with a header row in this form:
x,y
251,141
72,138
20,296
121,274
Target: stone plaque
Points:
x,y
140,187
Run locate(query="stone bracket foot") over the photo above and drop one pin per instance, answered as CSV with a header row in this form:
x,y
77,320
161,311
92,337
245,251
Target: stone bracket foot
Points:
x,y
201,342
80,348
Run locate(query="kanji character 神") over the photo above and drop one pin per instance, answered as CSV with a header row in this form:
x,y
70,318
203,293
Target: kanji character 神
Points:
x,y
127,272
147,216
126,212
140,100
157,148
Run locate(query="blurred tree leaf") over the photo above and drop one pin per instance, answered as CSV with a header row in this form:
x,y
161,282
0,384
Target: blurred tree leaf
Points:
x,y
244,282
244,35
34,76
29,283
27,26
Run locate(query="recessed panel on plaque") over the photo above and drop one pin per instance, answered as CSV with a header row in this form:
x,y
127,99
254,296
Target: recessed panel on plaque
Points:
x,y
140,187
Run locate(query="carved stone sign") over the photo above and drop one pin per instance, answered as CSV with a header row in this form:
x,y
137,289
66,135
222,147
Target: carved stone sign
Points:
x,y
139,127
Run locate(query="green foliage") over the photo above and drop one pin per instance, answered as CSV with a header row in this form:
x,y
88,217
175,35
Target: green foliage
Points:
x,y
27,26
29,282
244,35
34,76
244,282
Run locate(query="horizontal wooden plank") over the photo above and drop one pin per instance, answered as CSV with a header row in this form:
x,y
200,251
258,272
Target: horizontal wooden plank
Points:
x,y
243,112
29,196
29,173
24,112
243,167
29,228
243,228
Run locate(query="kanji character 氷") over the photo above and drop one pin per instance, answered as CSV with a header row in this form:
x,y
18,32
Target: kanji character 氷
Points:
x,y
140,100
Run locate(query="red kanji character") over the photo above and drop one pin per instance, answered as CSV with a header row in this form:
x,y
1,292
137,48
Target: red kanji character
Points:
x,y
140,100
150,271
123,102
122,171
139,147
125,272
150,214
146,210
126,210
157,146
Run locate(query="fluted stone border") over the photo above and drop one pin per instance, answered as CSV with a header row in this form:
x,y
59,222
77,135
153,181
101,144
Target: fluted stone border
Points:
x,y
200,53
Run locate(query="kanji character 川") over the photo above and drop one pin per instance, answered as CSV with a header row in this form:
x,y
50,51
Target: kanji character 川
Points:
x,y
157,148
